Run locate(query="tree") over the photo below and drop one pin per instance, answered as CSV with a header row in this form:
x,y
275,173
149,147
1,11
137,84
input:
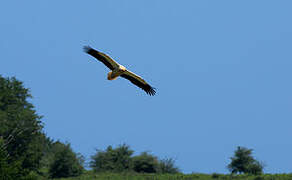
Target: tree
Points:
x,y
255,168
167,165
114,160
6,171
145,163
243,162
24,148
65,162
21,128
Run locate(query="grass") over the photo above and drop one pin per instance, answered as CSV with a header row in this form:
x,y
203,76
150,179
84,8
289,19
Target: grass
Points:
x,y
215,176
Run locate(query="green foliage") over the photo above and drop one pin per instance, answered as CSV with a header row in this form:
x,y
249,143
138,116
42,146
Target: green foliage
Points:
x,y
48,157
215,175
167,166
65,162
243,162
27,154
145,163
136,176
114,160
259,178
255,168
6,171
12,170
21,128
24,148
120,160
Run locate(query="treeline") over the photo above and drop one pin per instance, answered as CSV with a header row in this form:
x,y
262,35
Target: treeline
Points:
x,y
120,159
22,142
26,152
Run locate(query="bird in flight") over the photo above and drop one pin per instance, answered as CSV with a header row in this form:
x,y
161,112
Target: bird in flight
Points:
x,y
119,70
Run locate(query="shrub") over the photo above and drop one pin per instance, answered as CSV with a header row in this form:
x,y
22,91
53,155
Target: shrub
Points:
x,y
167,165
114,160
215,175
145,163
65,163
259,178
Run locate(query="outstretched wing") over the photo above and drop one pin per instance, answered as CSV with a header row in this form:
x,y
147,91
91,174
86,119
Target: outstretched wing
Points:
x,y
105,59
138,81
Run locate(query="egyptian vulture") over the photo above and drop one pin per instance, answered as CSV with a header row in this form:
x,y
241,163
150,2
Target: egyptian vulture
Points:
x,y
119,70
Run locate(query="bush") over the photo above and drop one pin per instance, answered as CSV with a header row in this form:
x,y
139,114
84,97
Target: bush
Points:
x,y
120,159
167,165
113,160
65,163
215,175
145,163
259,178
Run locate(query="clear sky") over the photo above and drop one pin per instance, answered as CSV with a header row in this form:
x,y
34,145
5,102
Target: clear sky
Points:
x,y
222,70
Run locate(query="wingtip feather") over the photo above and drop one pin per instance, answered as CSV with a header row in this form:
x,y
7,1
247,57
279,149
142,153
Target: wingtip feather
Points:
x,y
87,49
151,91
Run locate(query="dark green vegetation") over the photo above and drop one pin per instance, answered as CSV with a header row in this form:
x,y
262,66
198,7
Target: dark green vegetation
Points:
x,y
123,176
120,159
22,140
27,153
243,162
65,163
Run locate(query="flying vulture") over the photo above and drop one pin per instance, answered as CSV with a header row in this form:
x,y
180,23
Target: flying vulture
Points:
x,y
119,70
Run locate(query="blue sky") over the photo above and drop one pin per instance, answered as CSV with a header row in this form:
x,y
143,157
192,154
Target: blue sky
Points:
x,y
222,70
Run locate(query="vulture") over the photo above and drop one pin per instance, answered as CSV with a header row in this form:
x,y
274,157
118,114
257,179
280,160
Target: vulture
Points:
x,y
119,70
